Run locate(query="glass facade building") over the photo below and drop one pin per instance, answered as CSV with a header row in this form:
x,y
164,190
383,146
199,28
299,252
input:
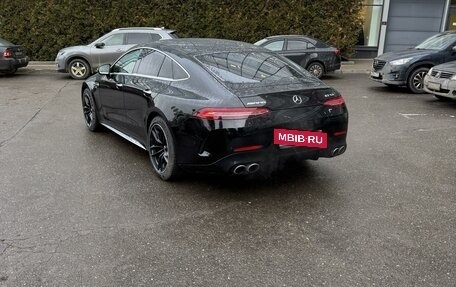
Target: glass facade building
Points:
x,y
391,25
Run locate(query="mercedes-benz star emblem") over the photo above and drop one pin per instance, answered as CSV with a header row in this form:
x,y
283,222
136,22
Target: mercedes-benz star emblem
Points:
x,y
297,99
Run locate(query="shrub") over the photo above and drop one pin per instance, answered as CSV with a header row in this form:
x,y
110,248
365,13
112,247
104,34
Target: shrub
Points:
x,y
45,26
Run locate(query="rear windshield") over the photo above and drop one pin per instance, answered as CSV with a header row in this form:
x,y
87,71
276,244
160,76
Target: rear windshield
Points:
x,y
252,67
173,35
5,43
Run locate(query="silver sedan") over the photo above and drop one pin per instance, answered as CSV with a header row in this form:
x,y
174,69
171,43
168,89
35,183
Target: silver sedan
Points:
x,y
441,81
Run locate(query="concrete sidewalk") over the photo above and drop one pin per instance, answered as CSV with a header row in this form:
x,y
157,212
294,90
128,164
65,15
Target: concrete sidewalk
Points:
x,y
358,66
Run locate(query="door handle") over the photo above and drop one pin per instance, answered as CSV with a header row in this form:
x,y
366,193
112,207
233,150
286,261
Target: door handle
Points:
x,y
120,50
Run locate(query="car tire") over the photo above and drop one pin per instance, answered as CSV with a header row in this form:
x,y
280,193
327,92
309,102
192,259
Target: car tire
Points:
x,y
442,99
415,80
79,69
89,110
317,69
162,149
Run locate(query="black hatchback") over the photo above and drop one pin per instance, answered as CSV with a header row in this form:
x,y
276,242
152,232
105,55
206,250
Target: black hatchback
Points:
x,y
312,54
215,106
12,57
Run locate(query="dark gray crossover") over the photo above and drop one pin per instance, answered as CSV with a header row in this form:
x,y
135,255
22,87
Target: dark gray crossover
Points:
x,y
409,67
12,57
312,54
213,105
82,61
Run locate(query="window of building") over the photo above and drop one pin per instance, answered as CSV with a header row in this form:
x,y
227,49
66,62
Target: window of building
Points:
x,y
370,30
451,22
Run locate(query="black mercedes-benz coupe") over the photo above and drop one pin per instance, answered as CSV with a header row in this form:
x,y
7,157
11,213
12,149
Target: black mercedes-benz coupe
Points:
x,y
211,105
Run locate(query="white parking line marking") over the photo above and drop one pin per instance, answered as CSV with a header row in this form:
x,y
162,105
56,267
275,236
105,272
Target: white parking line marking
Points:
x,y
409,116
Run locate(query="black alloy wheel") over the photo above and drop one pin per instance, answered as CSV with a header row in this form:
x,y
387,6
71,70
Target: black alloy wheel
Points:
x,y
162,149
88,108
316,69
415,81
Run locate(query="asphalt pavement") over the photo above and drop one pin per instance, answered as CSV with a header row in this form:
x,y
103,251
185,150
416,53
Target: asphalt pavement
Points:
x,y
85,209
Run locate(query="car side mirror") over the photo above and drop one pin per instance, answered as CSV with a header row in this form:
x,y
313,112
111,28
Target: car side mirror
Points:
x,y
104,70
99,45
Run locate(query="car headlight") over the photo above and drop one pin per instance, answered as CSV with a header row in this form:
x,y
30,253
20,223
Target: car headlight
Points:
x,y
60,53
453,78
430,71
400,61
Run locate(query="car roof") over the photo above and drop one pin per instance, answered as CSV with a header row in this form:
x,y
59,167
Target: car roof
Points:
x,y
144,28
201,46
291,37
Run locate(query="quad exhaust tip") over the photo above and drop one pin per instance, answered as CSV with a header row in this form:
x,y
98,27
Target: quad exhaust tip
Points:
x,y
242,169
338,151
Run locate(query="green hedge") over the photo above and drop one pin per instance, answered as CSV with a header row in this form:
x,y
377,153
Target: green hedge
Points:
x,y
45,26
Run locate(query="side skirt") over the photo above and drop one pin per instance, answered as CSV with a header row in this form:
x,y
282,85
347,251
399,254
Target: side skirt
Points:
x,y
127,137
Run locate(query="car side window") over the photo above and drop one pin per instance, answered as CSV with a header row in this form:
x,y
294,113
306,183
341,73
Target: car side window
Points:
x,y
178,72
171,70
275,46
166,70
298,45
150,62
126,63
138,38
155,36
113,40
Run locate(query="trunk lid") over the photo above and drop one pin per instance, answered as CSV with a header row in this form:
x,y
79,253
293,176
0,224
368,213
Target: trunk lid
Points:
x,y
290,99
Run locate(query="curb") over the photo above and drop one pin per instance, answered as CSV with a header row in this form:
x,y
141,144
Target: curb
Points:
x,y
353,66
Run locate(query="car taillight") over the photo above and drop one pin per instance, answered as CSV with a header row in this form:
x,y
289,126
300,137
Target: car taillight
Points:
x,y
230,113
337,51
335,102
248,148
7,54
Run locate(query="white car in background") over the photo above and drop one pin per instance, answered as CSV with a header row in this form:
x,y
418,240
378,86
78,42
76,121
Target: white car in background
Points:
x,y
441,81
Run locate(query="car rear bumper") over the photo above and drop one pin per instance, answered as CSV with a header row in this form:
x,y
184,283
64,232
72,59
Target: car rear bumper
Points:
x,y
13,64
333,67
220,150
268,158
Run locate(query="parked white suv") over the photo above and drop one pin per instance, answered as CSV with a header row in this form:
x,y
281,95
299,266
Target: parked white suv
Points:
x,y
82,61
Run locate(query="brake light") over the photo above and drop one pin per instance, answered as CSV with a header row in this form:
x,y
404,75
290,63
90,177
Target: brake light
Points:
x,y
340,133
248,148
230,113
7,53
335,102
337,51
